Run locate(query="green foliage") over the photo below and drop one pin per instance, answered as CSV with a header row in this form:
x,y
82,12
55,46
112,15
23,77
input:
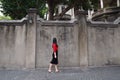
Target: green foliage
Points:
x,y
107,3
79,3
17,9
94,4
5,18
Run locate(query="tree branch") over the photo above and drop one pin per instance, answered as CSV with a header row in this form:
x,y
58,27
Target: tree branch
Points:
x,y
66,9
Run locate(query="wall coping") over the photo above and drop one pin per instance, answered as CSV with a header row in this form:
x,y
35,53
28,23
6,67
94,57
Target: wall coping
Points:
x,y
58,23
101,24
13,22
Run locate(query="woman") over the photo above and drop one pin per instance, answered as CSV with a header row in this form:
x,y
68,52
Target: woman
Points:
x,y
54,60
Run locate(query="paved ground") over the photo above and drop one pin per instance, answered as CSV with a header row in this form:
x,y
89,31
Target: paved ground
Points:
x,y
103,73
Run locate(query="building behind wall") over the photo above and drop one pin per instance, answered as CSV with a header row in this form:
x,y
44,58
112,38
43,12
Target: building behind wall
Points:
x,y
68,16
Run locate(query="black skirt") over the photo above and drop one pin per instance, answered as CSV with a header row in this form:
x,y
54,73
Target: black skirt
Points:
x,y
54,60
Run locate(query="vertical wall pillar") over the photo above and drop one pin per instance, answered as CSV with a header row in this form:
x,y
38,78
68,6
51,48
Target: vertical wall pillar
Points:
x,y
31,38
82,38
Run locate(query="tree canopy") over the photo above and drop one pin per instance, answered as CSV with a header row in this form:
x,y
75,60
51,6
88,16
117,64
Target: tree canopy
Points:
x,y
17,9
77,4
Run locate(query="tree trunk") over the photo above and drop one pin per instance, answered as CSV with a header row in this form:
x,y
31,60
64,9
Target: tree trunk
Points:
x,y
51,13
64,11
67,9
51,7
76,8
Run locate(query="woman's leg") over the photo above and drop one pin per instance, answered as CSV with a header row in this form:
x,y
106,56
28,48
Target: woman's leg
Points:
x,y
50,66
56,68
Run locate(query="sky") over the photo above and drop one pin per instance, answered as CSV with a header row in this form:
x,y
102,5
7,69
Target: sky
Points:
x,y
1,14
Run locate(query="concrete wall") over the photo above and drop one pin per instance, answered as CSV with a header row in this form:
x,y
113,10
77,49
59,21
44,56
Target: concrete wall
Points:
x,y
65,32
17,43
12,45
103,44
27,43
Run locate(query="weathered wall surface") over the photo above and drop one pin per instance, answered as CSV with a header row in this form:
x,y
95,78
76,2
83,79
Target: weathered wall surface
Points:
x,y
17,43
103,44
65,33
16,47
27,43
12,46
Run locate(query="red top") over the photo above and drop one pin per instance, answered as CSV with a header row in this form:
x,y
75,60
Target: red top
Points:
x,y
55,47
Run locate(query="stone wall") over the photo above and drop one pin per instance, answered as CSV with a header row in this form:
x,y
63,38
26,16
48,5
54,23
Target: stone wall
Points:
x,y
65,32
103,44
12,46
27,43
17,42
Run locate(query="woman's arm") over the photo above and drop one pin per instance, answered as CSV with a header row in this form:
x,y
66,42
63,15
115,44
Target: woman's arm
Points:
x,y
55,55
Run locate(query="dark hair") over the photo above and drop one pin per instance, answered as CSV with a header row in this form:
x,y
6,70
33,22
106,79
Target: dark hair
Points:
x,y
55,40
